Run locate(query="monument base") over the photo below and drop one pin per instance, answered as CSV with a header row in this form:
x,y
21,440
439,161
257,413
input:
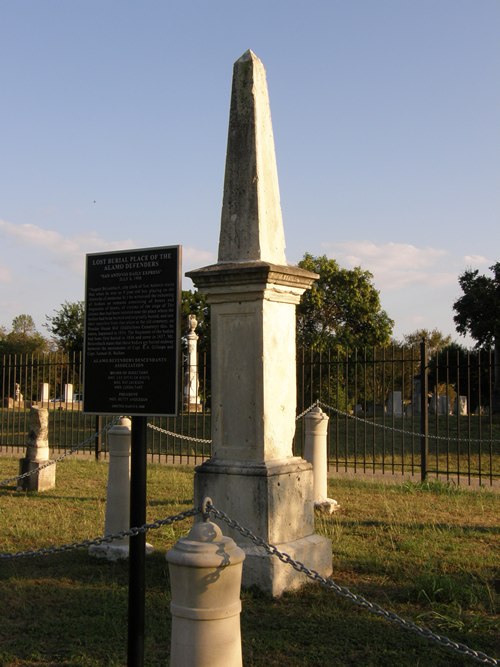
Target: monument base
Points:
x,y
114,550
273,500
40,478
271,575
193,407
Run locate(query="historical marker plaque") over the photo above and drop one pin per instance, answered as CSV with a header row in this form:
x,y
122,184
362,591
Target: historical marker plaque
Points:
x,y
131,352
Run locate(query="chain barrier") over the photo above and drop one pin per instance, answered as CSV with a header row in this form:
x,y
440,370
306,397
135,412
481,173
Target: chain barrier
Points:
x,y
344,592
400,430
46,551
207,441
73,449
343,414
179,435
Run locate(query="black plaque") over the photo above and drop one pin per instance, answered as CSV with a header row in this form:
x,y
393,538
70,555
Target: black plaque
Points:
x,y
132,332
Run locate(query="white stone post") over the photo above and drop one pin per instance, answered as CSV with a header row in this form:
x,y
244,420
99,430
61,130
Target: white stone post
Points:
x,y
191,396
117,518
44,393
43,476
315,451
68,394
205,578
461,406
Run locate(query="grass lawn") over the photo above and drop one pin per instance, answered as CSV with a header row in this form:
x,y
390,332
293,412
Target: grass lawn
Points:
x,y
427,552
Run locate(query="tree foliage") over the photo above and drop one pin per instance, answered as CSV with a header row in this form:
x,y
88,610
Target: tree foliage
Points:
x,y
478,314
435,340
478,309
23,338
67,326
342,309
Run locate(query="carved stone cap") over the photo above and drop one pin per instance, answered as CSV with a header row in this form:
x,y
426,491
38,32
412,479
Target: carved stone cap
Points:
x,y
245,273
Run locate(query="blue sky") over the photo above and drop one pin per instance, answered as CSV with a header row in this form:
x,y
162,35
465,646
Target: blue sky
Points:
x,y
386,121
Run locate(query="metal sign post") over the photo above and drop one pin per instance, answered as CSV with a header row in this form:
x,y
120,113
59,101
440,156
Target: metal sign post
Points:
x,y
137,545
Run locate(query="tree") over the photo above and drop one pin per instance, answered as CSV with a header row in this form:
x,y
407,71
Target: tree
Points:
x,y
435,340
67,326
342,309
478,314
23,338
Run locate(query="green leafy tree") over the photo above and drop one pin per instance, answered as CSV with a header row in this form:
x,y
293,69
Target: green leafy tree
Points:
x,y
67,326
478,314
342,309
435,340
23,338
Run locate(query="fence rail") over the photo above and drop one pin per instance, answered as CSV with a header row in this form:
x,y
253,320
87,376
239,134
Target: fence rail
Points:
x,y
392,411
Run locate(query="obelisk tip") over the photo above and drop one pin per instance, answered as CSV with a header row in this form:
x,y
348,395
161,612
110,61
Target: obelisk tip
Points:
x,y
251,223
248,55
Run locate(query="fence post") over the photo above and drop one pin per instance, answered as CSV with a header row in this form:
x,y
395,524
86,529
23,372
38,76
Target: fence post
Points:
x,y
205,578
424,411
98,437
315,451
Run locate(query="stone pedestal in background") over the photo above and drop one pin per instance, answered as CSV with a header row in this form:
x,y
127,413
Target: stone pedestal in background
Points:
x,y
43,476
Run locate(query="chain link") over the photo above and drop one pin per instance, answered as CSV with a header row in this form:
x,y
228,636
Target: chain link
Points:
x,y
46,551
344,592
400,430
75,448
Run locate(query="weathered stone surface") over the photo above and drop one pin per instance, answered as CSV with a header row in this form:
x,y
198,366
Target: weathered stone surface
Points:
x,y
38,435
205,576
42,477
251,224
253,475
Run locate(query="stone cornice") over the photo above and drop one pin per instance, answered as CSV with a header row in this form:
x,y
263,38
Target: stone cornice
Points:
x,y
232,274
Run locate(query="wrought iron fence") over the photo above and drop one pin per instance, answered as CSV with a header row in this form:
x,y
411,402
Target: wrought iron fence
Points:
x,y
392,410
401,410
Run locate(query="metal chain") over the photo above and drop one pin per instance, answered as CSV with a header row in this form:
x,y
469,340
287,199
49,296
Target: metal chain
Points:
x,y
178,435
206,441
344,592
46,551
75,448
400,430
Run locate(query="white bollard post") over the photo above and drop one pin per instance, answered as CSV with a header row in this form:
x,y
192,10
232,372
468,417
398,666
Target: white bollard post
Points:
x,y
315,451
205,578
42,477
117,516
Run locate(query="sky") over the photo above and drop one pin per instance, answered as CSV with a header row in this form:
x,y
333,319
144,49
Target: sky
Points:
x,y
385,113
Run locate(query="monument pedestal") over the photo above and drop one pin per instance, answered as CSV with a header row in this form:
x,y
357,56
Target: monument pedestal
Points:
x,y
40,478
274,500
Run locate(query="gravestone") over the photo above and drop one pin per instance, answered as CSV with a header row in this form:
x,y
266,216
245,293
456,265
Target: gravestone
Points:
x,y
395,404
252,473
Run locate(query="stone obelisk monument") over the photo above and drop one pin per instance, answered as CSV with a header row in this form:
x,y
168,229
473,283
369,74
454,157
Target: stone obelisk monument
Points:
x,y
252,473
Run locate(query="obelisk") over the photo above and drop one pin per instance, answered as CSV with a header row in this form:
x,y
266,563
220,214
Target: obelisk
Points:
x,y
252,473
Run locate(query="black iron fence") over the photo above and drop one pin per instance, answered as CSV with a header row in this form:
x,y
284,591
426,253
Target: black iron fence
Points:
x,y
392,410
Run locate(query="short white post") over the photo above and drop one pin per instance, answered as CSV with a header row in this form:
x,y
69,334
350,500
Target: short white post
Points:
x,y
44,393
205,578
41,477
315,451
117,518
